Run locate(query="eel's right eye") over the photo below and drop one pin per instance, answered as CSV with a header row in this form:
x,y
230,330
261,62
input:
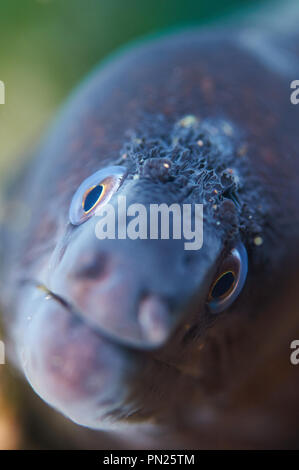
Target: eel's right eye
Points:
x,y
223,285
229,281
96,189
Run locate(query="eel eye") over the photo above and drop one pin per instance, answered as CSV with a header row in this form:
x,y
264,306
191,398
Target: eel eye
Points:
x,y
229,281
96,189
92,197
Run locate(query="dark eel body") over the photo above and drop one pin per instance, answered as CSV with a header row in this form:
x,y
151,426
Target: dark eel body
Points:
x,y
218,112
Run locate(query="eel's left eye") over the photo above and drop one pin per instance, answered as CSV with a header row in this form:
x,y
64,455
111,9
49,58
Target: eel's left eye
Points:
x,y
96,189
229,281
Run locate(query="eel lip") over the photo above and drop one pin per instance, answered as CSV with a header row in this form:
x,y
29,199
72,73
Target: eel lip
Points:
x,y
69,364
153,318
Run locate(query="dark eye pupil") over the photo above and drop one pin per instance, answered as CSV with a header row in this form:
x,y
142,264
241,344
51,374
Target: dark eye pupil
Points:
x,y
92,198
223,285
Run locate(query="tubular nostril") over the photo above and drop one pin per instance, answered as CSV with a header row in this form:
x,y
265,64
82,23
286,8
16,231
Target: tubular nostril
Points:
x,y
92,266
154,319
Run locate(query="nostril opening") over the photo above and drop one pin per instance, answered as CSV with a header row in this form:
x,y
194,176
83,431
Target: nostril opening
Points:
x,y
154,319
92,266
187,258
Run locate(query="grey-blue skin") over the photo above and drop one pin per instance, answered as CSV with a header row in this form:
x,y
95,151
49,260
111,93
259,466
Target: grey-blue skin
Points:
x,y
220,117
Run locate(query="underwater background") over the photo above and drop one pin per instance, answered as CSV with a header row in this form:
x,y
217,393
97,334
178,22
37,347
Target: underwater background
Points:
x,y
48,46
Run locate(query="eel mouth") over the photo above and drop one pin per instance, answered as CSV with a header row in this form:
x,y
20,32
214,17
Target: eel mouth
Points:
x,y
92,342
69,363
84,372
153,321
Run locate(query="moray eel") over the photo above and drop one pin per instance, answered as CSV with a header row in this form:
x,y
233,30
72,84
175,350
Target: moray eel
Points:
x,y
122,333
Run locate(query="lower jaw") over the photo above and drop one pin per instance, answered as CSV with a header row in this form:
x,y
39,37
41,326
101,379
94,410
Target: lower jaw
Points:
x,y
70,365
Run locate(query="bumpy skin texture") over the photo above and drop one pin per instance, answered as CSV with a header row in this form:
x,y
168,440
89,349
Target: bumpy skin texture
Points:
x,y
221,117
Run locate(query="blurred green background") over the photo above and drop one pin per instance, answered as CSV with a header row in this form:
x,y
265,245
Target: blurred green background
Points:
x,y
47,46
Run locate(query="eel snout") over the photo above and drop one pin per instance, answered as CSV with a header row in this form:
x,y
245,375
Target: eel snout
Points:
x,y
112,305
134,291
